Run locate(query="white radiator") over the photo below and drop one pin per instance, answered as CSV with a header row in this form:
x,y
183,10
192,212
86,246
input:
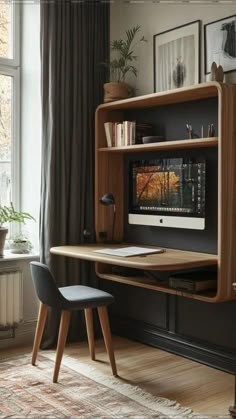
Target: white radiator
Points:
x,y
11,298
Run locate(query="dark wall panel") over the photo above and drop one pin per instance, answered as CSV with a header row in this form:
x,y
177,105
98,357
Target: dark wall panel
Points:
x,y
211,323
201,331
138,303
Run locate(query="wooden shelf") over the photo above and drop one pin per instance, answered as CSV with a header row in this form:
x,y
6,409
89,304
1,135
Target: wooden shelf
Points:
x,y
180,95
165,145
152,284
139,281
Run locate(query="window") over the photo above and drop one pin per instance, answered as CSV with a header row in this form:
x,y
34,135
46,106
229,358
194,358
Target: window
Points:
x,y
6,31
9,103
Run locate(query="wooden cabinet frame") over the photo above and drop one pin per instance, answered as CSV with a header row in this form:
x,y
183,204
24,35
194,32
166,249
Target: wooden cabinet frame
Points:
x,y
109,174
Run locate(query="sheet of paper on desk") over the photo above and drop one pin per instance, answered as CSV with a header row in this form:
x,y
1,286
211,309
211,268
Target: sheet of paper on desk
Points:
x,y
129,251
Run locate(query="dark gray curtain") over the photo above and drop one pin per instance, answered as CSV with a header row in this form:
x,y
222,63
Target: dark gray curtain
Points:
x,y
74,43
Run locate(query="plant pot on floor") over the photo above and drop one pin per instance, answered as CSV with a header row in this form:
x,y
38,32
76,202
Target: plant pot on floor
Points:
x,y
3,233
117,91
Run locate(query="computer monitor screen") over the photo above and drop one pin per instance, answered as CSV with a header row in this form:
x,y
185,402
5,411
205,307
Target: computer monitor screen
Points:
x,y
168,192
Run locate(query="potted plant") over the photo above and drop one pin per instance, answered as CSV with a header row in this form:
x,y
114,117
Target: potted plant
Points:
x,y
121,65
8,214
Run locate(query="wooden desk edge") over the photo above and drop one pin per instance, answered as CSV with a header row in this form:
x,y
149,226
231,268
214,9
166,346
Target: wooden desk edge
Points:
x,y
86,252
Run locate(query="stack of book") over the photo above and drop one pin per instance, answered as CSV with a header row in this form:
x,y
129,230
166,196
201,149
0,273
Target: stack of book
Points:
x,y
143,129
194,281
126,133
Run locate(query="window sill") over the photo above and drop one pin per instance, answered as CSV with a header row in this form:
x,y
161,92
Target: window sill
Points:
x,y
17,256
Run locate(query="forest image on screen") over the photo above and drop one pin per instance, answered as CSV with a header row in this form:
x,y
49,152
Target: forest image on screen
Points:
x,y
169,186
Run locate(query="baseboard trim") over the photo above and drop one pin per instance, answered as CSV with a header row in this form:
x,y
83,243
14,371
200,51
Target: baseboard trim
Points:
x,y
162,339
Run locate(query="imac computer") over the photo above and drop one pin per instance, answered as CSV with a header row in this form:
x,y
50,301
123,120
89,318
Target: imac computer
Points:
x,y
167,192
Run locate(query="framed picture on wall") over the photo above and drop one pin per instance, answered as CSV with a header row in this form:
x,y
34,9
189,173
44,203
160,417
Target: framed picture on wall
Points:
x,y
220,44
176,55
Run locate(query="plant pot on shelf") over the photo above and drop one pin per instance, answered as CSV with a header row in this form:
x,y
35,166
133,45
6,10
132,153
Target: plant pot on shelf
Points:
x,y
117,91
3,233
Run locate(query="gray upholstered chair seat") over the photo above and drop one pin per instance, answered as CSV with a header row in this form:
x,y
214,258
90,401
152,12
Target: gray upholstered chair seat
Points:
x,y
80,297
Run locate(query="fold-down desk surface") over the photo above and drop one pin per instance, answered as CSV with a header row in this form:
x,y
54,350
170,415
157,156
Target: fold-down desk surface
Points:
x,y
170,259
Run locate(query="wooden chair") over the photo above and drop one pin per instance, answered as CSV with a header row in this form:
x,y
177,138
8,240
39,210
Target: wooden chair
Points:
x,y
66,299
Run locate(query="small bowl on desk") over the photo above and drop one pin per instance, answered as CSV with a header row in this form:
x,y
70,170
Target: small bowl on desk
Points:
x,y
153,139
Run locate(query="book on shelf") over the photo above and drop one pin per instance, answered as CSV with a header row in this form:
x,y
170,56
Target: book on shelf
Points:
x,y
119,134
194,281
126,133
109,133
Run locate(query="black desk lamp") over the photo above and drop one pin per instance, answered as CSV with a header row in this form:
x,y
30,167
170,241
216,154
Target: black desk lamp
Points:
x,y
109,200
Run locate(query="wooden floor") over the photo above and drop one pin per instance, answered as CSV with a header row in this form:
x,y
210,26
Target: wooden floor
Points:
x,y
204,389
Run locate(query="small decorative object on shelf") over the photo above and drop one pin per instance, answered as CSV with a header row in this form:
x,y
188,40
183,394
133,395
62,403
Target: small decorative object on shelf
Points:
x,y
189,131
153,139
202,131
211,130
192,134
121,65
217,72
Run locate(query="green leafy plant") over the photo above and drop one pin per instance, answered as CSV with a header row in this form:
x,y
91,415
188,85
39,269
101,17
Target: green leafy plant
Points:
x,y
125,57
8,214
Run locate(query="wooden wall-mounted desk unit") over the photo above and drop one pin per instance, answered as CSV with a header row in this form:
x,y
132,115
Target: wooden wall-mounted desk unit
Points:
x,y
169,260
200,104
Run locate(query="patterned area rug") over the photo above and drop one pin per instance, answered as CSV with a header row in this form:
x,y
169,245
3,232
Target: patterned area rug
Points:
x,y
82,392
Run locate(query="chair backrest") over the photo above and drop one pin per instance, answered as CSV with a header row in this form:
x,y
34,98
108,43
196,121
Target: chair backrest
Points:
x,y
45,285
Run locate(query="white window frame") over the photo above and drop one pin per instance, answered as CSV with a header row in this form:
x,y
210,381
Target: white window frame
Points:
x,y
11,67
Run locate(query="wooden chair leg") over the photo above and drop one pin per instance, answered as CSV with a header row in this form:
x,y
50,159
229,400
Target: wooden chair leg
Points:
x,y
63,331
42,315
104,320
90,332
